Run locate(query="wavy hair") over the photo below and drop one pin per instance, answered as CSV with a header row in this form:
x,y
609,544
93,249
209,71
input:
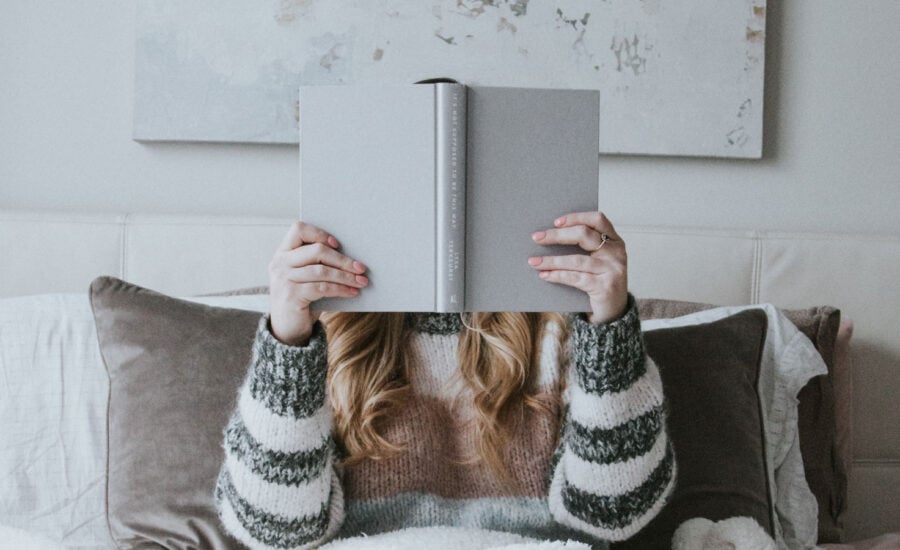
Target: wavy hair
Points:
x,y
498,353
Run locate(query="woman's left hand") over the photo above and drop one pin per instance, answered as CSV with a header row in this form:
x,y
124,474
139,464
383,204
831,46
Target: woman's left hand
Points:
x,y
602,273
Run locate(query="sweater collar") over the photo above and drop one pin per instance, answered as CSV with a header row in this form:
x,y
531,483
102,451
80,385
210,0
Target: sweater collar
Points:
x,y
435,323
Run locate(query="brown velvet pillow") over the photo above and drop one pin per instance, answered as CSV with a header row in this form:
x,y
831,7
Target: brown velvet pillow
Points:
x,y
174,369
710,373
825,462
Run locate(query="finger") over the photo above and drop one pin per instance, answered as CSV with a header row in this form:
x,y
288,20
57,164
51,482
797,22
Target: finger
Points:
x,y
301,233
318,253
319,290
574,262
595,220
582,235
578,279
322,273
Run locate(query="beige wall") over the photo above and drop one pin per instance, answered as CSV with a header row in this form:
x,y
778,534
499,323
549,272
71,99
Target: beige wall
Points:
x,y
832,145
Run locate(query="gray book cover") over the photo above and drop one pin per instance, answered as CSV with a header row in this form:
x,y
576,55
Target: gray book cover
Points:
x,y
369,174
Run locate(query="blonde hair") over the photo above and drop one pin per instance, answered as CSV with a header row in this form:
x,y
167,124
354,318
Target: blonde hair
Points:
x,y
368,378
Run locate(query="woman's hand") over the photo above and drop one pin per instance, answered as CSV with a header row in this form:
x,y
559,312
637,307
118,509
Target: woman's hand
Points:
x,y
305,268
602,273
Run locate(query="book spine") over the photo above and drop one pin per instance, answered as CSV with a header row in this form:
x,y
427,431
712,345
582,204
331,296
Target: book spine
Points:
x,y
450,196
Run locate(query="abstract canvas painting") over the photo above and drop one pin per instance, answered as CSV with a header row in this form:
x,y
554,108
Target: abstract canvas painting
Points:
x,y
675,78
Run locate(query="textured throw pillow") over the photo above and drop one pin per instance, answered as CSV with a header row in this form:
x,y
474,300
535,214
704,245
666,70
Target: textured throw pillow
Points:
x,y
826,457
174,368
710,373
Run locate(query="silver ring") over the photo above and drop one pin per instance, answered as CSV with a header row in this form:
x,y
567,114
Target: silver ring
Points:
x,y
603,239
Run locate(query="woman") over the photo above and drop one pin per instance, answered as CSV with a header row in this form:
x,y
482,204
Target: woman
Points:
x,y
538,424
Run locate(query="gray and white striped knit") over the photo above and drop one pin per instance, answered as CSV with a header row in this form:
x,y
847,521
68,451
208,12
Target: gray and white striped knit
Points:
x,y
599,470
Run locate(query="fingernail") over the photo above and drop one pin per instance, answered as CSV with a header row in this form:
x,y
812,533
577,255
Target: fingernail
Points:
x,y
354,291
362,280
332,241
544,274
559,221
359,266
535,261
538,235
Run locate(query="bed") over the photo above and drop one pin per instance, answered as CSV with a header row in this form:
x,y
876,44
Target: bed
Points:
x,y
59,493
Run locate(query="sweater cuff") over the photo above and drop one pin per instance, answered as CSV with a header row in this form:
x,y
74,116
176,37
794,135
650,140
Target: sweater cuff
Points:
x,y
608,357
289,380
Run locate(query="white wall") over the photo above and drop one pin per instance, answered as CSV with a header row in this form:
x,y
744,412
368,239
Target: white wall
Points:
x,y
832,145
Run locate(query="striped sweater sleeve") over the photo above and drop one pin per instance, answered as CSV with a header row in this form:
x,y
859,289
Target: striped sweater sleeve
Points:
x,y
614,466
278,487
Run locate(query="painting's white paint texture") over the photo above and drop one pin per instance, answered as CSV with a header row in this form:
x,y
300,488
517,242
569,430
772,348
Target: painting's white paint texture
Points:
x,y
681,78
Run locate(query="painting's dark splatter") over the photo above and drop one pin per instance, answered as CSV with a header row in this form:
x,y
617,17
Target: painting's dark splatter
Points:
x,y
331,56
737,137
448,39
519,8
505,25
476,8
573,22
628,56
754,35
289,11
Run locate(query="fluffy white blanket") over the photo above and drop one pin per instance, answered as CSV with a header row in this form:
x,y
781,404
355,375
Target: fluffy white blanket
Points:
x,y
449,538
739,533
695,534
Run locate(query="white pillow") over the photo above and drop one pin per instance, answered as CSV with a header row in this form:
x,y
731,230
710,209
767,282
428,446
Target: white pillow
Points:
x,y
789,361
53,398
52,419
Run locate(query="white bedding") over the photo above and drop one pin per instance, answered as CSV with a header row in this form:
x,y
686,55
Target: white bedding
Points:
x,y
53,456
53,397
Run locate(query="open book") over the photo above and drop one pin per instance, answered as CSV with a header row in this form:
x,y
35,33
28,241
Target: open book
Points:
x,y
437,188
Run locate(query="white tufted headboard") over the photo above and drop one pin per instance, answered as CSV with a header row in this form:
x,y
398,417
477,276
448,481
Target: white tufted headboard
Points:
x,y
43,252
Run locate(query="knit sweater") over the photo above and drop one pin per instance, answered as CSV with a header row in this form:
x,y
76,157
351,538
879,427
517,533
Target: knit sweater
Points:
x,y
598,470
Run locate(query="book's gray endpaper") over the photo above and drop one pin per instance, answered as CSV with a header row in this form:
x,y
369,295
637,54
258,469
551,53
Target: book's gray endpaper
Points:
x,y
367,177
531,157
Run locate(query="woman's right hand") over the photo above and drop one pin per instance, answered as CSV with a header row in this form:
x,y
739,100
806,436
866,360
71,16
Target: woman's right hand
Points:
x,y
305,268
